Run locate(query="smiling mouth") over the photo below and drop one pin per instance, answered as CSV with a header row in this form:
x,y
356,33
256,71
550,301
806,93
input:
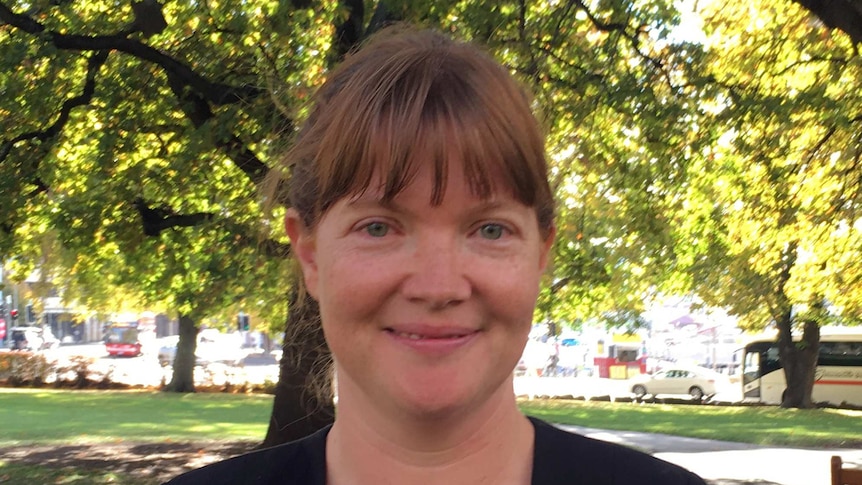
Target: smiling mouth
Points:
x,y
418,336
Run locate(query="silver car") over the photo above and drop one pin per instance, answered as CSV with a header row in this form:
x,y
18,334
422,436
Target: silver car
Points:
x,y
211,348
700,384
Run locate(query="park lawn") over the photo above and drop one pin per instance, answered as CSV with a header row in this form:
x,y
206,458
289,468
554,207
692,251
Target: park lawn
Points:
x,y
48,416
42,416
13,473
761,425
61,416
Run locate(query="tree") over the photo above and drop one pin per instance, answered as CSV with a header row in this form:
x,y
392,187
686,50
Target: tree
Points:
x,y
189,113
771,228
136,136
147,176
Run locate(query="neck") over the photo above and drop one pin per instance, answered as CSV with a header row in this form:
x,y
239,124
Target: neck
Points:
x,y
491,444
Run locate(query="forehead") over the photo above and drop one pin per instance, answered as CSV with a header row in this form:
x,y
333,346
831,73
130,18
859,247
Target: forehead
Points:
x,y
391,114
434,182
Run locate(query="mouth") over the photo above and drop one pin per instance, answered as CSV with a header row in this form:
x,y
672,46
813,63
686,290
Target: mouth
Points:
x,y
430,335
431,340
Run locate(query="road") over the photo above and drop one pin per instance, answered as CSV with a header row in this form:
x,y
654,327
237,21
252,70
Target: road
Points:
x,y
145,369
727,463
588,387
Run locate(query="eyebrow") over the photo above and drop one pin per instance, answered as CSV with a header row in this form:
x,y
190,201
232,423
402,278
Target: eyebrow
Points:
x,y
366,200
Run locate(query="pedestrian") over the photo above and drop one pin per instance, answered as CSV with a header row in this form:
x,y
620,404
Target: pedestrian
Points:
x,y
422,219
19,340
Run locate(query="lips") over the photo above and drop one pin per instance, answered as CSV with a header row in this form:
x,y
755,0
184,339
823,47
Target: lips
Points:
x,y
431,340
432,336
430,333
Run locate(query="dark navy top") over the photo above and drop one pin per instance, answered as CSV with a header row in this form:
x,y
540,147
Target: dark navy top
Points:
x,y
559,458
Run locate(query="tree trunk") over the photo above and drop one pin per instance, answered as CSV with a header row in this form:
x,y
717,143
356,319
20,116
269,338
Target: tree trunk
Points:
x,y
799,360
845,15
303,396
183,376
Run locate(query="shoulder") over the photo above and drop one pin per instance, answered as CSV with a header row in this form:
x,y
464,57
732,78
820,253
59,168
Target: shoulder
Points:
x,y
567,458
301,462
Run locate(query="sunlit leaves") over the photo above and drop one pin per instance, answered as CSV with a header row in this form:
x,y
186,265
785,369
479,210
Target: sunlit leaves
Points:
x,y
134,141
678,166
777,193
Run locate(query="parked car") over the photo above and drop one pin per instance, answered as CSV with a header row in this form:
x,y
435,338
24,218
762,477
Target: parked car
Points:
x,y
700,384
121,340
212,347
32,339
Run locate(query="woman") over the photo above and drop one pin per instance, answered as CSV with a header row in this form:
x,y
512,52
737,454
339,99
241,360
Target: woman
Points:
x,y
422,219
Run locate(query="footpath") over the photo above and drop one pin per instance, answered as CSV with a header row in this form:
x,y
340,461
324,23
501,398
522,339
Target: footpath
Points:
x,y
728,463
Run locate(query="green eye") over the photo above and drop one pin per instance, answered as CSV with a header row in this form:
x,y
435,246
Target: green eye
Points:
x,y
491,231
377,229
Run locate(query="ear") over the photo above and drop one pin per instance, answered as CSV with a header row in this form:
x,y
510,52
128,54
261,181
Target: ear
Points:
x,y
304,249
547,244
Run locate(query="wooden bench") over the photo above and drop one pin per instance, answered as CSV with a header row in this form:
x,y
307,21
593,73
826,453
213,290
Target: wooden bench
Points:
x,y
845,476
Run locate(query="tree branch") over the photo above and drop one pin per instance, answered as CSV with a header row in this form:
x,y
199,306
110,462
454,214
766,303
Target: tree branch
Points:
x,y
216,93
95,62
623,29
350,32
845,15
161,218
380,18
198,111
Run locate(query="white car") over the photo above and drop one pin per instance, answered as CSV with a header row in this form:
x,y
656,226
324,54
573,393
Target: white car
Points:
x,y
212,347
698,383
32,338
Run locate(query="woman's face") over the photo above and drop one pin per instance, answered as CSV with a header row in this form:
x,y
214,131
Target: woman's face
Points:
x,y
426,308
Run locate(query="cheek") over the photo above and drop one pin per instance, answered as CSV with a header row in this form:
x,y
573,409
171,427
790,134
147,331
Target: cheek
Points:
x,y
351,287
513,292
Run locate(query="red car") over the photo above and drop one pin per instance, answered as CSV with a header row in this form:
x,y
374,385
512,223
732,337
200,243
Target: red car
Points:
x,y
122,340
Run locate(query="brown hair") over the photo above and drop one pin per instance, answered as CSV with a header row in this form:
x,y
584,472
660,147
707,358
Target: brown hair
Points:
x,y
413,97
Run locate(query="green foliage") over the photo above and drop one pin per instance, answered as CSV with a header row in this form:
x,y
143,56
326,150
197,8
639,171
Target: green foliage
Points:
x,y
771,219
70,195
729,169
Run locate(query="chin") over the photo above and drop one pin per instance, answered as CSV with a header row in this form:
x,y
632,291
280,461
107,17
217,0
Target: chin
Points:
x,y
447,402
435,412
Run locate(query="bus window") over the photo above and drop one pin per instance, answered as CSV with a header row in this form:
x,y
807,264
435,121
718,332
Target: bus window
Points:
x,y
771,361
751,370
840,353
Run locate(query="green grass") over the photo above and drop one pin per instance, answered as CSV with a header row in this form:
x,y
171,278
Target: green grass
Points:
x,y
57,416
13,473
762,425
39,416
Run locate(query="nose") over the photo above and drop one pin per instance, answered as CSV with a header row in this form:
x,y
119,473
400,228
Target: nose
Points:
x,y
437,274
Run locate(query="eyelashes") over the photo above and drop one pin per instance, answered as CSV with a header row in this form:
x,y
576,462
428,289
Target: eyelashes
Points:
x,y
376,229
491,231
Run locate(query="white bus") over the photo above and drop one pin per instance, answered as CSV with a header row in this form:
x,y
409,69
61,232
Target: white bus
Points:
x,y
838,378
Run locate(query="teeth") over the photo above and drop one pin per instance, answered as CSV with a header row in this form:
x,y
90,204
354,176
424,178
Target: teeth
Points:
x,y
416,336
411,336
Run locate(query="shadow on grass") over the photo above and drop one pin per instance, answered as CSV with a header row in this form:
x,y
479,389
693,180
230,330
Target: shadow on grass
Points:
x,y
152,461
